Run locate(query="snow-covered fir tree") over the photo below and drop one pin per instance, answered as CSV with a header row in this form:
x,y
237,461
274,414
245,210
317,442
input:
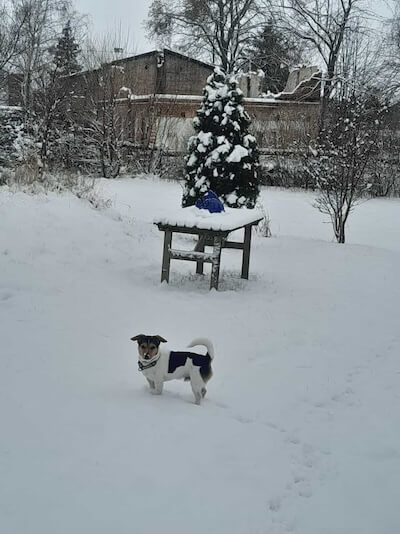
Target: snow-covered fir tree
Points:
x,y
223,156
66,52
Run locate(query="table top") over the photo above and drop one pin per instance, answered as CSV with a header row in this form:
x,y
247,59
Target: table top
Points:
x,y
192,217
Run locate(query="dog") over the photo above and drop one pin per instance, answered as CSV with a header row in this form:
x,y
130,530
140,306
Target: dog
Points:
x,y
159,364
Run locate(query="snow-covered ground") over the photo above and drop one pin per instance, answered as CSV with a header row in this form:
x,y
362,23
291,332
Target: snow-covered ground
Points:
x,y
300,431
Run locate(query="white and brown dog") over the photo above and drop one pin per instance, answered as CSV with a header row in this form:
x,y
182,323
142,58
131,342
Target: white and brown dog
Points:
x,y
159,364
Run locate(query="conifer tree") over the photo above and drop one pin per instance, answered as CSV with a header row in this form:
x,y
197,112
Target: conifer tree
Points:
x,y
223,156
274,52
66,53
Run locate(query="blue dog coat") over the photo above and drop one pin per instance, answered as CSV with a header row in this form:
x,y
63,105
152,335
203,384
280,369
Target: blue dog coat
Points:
x,y
178,359
210,202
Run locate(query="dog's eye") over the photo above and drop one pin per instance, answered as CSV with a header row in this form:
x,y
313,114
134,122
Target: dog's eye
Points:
x,y
153,347
143,346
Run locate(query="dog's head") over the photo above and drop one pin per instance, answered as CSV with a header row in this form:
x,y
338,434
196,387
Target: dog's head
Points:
x,y
148,345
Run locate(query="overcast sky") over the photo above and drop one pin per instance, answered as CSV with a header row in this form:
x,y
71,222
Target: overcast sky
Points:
x,y
108,15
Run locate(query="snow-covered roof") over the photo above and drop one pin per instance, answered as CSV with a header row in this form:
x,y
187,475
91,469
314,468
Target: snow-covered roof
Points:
x,y
10,108
163,52
198,98
162,96
193,217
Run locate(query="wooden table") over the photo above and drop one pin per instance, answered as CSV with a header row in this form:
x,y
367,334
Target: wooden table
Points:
x,y
211,231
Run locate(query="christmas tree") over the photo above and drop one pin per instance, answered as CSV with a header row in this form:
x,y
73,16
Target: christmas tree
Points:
x,y
66,53
223,156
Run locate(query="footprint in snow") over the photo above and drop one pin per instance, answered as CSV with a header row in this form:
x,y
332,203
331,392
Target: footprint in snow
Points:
x,y
293,439
305,491
275,504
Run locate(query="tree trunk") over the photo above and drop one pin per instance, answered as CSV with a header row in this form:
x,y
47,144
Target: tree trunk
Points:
x,y
339,228
341,234
339,224
326,93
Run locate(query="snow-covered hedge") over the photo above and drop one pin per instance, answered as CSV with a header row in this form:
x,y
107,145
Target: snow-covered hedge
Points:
x,y
11,135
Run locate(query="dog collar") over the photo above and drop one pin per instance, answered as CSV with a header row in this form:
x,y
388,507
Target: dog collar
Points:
x,y
143,367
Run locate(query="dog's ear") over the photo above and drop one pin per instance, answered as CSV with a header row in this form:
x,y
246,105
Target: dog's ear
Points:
x,y
161,339
138,337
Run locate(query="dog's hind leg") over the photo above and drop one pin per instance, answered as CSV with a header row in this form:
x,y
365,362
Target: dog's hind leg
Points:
x,y
197,384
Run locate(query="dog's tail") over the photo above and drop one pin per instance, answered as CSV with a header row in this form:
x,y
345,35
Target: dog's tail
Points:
x,y
206,343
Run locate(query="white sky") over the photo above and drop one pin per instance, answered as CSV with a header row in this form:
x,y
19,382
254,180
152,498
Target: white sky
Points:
x,y
108,16
127,16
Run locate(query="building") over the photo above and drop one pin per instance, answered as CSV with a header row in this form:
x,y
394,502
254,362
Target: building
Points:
x,y
156,95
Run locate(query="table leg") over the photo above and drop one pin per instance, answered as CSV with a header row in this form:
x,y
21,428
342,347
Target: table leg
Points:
x,y
200,248
246,252
216,262
166,261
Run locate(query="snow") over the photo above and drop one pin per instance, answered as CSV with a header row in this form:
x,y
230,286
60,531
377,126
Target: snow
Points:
x,y
224,146
237,154
10,109
192,160
164,96
205,138
193,217
249,139
299,432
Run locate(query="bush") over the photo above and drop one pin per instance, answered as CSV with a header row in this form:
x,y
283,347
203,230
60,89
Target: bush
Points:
x,y
25,178
286,171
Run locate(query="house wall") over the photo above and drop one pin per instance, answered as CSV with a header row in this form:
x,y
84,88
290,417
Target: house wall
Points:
x,y
140,74
281,124
183,76
251,84
167,122
147,74
298,75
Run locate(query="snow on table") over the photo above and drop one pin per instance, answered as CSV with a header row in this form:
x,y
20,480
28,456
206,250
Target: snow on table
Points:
x,y
192,217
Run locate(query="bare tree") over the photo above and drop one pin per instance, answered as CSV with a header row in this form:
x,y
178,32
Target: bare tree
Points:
x,y
392,56
218,30
11,24
323,25
102,118
41,23
52,98
104,124
341,159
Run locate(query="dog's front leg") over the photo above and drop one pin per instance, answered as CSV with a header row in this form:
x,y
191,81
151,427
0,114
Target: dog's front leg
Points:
x,y
151,383
197,397
158,387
